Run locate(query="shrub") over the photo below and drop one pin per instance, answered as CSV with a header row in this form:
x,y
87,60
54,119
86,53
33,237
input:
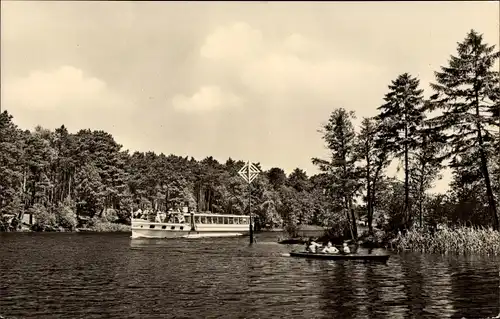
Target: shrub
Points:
x,y
110,215
44,220
99,225
66,216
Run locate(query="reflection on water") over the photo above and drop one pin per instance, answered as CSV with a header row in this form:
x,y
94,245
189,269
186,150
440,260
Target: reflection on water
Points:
x,y
112,276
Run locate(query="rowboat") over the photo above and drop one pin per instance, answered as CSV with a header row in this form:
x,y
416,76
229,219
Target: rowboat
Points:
x,y
364,257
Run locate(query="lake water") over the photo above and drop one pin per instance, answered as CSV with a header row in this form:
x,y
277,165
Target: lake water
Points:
x,y
95,275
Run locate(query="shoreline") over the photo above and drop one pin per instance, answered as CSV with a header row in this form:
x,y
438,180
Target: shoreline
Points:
x,y
479,241
99,228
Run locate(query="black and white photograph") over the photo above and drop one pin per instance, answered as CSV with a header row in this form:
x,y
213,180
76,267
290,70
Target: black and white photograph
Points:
x,y
250,159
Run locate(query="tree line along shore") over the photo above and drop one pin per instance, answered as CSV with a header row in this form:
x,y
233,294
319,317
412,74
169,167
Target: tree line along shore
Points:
x,y
85,180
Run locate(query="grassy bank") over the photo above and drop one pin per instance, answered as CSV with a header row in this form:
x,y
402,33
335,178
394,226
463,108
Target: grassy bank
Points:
x,y
462,240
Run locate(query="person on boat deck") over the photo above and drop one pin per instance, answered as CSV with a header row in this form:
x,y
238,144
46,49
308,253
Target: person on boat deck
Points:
x,y
169,216
346,249
181,218
162,216
330,249
157,218
146,215
138,213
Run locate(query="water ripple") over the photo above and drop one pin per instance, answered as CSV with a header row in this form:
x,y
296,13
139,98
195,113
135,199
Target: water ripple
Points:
x,y
112,276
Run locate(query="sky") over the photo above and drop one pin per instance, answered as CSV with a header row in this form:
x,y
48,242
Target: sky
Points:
x,y
251,81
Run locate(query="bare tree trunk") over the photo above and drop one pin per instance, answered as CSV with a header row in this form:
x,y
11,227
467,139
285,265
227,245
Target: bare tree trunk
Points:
x,y
369,197
373,197
23,191
69,187
486,175
489,190
421,197
407,182
354,225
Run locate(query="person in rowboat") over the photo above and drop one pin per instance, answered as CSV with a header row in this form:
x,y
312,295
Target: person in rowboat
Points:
x,y
346,249
330,249
312,246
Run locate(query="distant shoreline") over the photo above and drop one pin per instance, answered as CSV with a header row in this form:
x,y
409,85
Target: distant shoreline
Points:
x,y
116,227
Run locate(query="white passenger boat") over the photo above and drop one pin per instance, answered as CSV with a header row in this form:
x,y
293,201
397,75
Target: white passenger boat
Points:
x,y
191,225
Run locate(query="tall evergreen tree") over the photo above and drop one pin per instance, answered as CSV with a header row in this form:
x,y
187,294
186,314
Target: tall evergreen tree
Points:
x,y
340,138
401,115
277,177
298,180
425,166
467,93
374,156
11,174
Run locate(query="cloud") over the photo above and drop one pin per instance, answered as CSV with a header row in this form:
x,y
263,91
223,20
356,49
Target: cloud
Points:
x,y
207,98
238,41
64,87
294,66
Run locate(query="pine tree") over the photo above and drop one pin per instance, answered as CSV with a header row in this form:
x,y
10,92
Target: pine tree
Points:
x,y
340,139
11,173
467,93
375,159
298,180
425,165
400,118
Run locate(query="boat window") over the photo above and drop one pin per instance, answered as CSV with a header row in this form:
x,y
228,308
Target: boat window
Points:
x,y
210,220
188,219
182,227
197,219
173,227
245,220
151,226
220,220
163,227
236,220
203,220
230,219
225,221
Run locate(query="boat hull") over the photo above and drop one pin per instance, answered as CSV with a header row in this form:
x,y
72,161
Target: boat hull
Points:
x,y
146,229
367,257
183,234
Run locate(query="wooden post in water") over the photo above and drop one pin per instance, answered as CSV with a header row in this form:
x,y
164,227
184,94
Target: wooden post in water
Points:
x,y
249,172
250,211
250,203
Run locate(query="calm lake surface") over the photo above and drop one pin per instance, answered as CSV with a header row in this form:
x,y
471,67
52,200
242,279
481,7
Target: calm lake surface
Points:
x,y
95,275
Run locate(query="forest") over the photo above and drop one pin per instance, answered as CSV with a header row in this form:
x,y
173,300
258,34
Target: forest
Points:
x,y
86,179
